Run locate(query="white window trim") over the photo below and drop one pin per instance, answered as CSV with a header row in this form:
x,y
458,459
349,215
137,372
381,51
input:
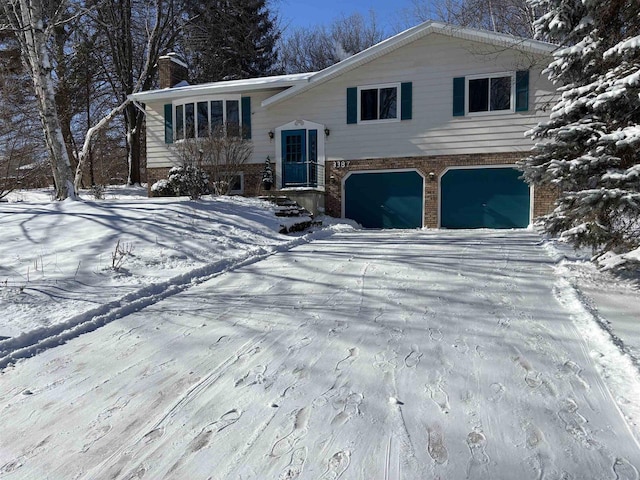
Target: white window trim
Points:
x,y
467,95
195,101
378,87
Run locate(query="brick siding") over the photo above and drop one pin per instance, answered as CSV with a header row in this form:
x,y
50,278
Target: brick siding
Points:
x,y
543,198
335,172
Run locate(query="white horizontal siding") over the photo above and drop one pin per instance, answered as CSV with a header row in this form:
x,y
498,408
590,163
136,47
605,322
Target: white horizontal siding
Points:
x,y
430,64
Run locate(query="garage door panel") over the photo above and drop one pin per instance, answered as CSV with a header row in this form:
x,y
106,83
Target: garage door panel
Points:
x,y
385,199
484,198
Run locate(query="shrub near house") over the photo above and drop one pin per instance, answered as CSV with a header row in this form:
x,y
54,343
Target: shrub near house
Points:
x,y
422,129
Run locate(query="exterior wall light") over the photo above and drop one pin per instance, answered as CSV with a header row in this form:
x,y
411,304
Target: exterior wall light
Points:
x,y
432,176
327,132
271,134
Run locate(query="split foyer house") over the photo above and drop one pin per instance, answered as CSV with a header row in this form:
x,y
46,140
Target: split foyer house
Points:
x,y
420,130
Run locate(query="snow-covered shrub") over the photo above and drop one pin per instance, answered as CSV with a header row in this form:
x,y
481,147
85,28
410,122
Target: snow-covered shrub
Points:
x,y
162,189
98,191
188,180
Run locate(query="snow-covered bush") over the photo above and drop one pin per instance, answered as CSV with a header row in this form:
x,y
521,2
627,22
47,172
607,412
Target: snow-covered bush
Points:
x,y
267,174
162,189
188,180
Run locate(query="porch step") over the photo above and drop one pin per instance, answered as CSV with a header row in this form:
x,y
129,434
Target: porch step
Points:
x,y
285,207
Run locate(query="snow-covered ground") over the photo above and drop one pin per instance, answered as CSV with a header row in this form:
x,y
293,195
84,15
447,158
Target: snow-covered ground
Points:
x,y
338,354
69,261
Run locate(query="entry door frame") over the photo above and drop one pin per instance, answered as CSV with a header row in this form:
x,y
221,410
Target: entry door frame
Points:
x,y
320,138
384,170
476,167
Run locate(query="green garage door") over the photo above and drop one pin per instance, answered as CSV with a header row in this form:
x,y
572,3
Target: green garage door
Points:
x,y
384,199
484,198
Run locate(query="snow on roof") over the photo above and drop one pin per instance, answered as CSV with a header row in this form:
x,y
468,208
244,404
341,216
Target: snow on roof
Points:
x,y
301,82
230,86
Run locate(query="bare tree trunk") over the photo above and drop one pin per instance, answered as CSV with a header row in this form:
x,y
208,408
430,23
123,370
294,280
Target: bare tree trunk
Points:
x,y
86,147
26,18
133,122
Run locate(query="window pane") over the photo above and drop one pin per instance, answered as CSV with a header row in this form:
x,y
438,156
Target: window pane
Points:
x,y
179,122
313,145
189,120
293,148
235,183
500,93
388,103
203,119
479,95
369,104
233,118
217,117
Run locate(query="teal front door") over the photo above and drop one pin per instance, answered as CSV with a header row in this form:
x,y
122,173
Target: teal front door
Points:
x,y
484,198
384,199
294,157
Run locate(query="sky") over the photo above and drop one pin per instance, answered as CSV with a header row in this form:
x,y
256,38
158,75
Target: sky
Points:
x,y
305,13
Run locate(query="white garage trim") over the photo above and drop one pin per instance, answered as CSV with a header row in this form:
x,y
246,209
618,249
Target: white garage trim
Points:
x,y
477,167
385,170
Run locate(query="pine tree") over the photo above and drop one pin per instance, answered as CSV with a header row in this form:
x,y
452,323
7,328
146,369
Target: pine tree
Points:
x,y
230,39
590,146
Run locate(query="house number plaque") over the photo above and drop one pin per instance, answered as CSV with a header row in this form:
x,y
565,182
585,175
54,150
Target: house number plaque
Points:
x,y
341,163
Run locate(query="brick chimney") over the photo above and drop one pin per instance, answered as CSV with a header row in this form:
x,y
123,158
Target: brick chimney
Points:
x,y
172,70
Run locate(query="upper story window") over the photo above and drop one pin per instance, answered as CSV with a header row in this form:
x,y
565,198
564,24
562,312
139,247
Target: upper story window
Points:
x,y
491,93
378,103
199,119
390,102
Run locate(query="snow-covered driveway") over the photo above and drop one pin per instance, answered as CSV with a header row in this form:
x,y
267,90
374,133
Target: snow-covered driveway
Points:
x,y
366,355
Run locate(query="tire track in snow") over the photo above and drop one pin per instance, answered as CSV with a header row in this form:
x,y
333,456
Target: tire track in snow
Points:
x,y
35,341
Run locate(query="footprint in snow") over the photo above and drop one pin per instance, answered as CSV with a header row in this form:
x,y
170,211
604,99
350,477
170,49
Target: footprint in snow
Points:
x,y
386,360
351,408
11,466
413,359
296,464
624,470
532,378
153,435
435,444
477,443
497,392
461,346
337,465
227,419
435,334
348,360
299,345
534,437
94,435
287,443
574,422
571,368
252,377
439,396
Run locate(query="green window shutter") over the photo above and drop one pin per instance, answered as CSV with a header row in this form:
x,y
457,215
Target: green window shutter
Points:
x,y
406,100
246,118
458,96
168,123
522,91
352,105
